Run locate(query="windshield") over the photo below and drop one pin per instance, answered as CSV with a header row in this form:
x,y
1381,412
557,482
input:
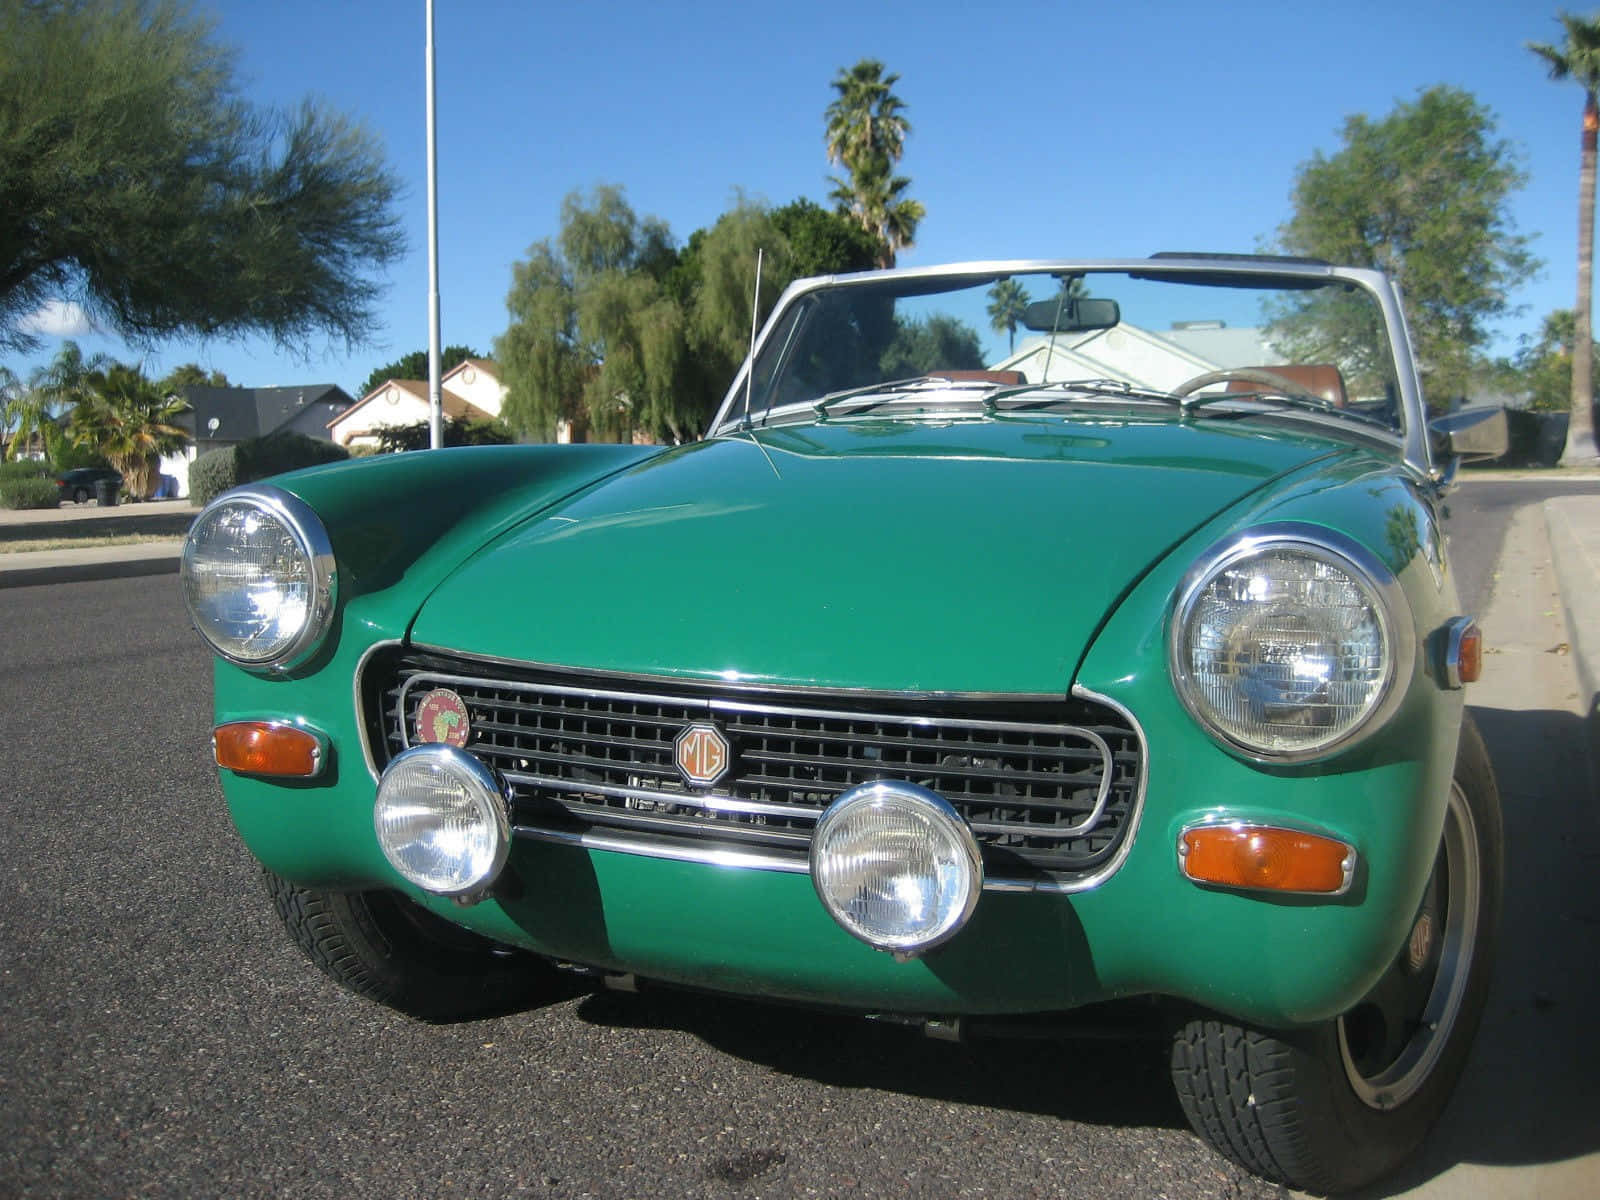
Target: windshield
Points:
x,y
1216,343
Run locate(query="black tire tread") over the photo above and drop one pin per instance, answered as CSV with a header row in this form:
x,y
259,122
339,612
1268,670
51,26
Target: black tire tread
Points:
x,y
368,944
1279,1105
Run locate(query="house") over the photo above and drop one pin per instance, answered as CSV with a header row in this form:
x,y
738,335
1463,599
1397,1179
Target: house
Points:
x,y
470,391
1129,354
225,416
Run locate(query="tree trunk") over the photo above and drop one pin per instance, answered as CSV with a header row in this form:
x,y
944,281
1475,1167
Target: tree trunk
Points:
x,y
1580,432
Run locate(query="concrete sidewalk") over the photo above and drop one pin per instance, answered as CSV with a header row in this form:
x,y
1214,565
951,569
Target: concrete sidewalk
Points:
x,y
166,520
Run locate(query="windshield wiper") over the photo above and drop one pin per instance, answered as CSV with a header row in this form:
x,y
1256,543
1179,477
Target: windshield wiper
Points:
x,y
1094,387
1277,399
892,390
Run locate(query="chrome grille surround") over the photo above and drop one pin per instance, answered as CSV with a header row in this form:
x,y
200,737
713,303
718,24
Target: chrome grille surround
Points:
x,y
1051,786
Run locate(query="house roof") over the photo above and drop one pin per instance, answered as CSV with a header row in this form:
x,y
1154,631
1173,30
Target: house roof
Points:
x,y
485,365
453,405
242,413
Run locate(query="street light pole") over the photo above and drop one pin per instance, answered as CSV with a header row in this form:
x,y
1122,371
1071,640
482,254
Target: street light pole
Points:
x,y
435,394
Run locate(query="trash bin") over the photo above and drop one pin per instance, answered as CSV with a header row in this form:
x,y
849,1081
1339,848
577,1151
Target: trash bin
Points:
x,y
105,491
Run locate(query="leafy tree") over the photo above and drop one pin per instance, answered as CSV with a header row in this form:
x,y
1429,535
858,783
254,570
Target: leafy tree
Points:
x,y
822,242
1578,58
415,366
191,375
614,330
1008,300
29,410
395,439
136,181
866,133
1420,194
130,421
1543,365
927,347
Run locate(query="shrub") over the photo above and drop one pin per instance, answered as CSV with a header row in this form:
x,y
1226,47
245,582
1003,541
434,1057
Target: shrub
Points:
x,y
210,475
25,468
215,471
393,439
29,492
256,458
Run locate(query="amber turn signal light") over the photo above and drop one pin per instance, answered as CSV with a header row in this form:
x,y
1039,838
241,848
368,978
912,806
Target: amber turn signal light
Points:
x,y
267,748
1469,662
1265,858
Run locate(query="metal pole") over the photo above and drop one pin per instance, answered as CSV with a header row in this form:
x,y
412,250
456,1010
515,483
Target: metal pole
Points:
x,y
435,395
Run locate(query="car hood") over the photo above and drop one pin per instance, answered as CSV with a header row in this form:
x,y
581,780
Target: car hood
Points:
x,y
895,555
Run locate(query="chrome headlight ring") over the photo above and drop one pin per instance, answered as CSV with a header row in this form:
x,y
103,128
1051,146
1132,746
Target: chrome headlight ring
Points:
x,y
245,550
1324,699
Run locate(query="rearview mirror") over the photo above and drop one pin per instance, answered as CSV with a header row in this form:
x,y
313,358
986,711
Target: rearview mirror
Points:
x,y
1471,434
1076,315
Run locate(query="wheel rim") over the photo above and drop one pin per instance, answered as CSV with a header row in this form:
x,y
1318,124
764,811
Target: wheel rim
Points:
x,y
1391,1041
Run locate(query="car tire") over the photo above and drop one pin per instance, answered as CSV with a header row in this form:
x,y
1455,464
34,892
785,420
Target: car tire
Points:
x,y
383,946
1334,1107
80,495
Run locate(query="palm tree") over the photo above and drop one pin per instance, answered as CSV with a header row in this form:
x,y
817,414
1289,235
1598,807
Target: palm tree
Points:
x,y
128,419
866,134
866,120
1579,59
1008,300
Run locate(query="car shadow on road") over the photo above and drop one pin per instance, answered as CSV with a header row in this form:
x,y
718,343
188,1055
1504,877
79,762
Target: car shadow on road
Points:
x,y
1530,1093
1099,1077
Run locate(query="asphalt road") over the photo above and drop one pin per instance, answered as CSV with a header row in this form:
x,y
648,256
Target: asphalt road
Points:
x,y
160,1036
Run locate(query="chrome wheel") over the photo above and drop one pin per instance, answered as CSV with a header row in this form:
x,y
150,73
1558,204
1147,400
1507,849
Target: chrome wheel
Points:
x,y
1391,1041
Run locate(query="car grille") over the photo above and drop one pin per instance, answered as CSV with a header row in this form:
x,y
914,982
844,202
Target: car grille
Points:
x,y
1049,787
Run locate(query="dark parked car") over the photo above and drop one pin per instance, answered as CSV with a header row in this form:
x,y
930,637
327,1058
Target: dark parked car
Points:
x,y
78,484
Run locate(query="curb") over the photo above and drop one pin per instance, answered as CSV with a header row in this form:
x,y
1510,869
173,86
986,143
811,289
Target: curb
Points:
x,y
76,566
1575,551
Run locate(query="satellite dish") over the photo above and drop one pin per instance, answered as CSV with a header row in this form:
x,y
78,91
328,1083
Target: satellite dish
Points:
x,y
214,424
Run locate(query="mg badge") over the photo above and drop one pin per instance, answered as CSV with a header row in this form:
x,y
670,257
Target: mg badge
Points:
x,y
702,754
442,717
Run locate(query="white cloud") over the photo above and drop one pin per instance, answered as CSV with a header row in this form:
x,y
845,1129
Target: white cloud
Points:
x,y
58,318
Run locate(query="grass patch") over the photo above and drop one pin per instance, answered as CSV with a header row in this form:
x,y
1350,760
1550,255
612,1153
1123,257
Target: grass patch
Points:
x,y
25,545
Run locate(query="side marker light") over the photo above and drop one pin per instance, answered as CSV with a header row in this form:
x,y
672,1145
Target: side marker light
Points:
x,y
1265,858
268,748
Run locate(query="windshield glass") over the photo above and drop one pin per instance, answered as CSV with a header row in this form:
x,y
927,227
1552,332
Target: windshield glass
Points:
x,y
1219,342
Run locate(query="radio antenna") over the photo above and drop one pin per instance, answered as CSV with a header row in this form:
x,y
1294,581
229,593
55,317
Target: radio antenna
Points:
x,y
750,363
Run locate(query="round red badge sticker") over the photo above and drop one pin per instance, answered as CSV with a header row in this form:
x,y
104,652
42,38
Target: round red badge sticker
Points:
x,y
442,717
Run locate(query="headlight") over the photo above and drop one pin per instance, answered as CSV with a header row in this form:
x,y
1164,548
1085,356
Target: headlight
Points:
x,y
258,577
896,866
1289,641
441,820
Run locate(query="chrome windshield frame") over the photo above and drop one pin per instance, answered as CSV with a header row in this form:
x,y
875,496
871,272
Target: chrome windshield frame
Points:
x,y
1411,440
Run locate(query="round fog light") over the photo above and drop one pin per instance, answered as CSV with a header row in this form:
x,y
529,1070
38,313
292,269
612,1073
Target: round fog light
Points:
x,y
896,866
441,820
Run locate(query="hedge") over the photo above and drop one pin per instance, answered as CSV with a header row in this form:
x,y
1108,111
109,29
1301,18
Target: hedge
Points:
x,y
216,471
25,468
29,492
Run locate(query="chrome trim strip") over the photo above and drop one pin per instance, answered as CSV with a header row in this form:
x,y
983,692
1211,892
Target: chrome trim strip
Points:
x,y
682,799
738,684
701,854
359,676
1348,867
1394,619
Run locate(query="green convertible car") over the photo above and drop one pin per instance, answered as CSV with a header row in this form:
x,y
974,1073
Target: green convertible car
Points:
x,y
1022,636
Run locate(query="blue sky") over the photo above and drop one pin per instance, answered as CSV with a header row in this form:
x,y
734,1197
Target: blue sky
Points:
x,y
1039,129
